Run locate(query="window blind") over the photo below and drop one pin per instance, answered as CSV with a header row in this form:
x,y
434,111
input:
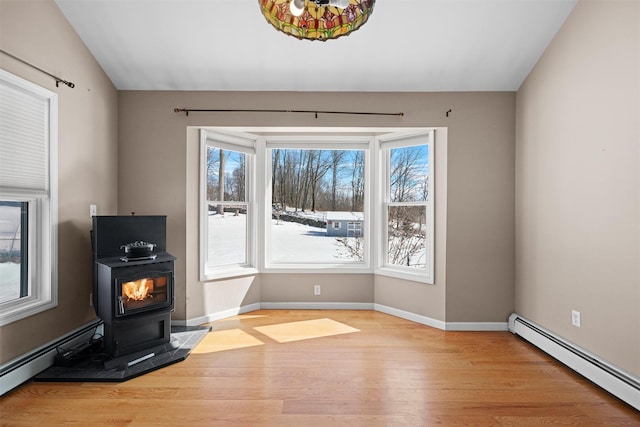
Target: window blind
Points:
x,y
24,138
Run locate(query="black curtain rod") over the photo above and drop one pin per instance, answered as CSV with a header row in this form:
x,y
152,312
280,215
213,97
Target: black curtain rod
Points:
x,y
56,78
361,113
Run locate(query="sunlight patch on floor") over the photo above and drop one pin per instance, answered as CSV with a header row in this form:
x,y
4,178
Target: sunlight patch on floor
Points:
x,y
304,330
237,317
229,339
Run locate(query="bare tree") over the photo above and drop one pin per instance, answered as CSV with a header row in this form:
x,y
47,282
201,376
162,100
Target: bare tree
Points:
x,y
407,236
300,179
357,181
354,247
221,173
212,178
309,159
320,167
405,174
336,158
276,179
241,177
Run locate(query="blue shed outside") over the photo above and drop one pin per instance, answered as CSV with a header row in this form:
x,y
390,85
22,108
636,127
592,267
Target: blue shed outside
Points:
x,y
345,224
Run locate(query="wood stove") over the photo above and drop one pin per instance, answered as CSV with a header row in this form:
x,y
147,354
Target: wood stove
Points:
x,y
134,296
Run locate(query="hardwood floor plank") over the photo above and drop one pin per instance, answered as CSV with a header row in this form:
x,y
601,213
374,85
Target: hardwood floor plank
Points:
x,y
318,368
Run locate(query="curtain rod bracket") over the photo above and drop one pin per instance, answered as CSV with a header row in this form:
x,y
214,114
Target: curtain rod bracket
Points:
x,y
71,85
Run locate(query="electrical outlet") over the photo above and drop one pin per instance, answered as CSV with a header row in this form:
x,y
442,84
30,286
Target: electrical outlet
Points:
x,y
575,318
91,299
93,210
316,289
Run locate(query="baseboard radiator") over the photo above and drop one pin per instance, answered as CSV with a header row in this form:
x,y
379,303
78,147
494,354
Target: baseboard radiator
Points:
x,y
25,367
617,382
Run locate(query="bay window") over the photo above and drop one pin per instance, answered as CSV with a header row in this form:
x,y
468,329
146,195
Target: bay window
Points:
x,y
296,200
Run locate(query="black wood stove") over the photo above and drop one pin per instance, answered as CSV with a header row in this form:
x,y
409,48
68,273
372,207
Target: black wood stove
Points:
x,y
133,287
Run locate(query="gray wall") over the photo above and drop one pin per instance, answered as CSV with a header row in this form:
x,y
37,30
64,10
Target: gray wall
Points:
x,y
475,205
37,32
578,183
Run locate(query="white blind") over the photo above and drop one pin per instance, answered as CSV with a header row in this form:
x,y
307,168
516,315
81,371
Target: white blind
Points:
x,y
24,137
398,140
233,142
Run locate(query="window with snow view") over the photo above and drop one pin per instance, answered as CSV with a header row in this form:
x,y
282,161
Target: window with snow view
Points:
x,y
303,200
227,209
408,205
315,193
28,208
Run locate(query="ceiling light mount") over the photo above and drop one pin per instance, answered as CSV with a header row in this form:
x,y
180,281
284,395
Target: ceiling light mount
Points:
x,y
317,19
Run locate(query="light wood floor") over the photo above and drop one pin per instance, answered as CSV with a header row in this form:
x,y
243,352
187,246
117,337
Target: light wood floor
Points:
x,y
326,368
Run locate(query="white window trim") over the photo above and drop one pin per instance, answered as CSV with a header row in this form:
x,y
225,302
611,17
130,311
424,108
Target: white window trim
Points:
x,y
384,144
43,220
243,143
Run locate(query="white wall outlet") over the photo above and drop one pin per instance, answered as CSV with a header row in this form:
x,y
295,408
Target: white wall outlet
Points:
x,y
316,289
93,210
575,318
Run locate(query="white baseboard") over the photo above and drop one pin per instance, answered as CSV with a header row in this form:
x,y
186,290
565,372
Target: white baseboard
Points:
x,y
616,381
316,306
477,326
212,317
423,320
25,367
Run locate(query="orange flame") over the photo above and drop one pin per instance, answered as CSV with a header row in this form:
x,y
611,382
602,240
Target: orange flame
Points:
x,y
138,290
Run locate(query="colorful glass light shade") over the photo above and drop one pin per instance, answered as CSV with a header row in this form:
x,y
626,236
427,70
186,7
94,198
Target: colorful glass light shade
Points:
x,y
317,21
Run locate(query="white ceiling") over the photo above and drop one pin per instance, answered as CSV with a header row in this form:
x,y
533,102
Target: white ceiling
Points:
x,y
407,45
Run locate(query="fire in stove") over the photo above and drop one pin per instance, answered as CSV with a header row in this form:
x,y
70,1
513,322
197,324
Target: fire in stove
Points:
x,y
141,293
138,290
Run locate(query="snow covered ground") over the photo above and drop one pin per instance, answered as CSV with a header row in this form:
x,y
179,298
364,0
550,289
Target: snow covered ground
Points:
x,y
9,281
227,237
293,242
290,242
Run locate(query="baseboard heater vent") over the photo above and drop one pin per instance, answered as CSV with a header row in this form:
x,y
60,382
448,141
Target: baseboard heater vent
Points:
x,y
23,368
617,382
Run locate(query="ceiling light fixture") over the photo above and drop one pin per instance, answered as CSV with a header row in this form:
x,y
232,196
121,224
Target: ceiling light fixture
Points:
x,y
317,19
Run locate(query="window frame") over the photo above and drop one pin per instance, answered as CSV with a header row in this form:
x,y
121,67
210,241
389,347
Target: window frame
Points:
x,y
385,144
372,139
246,144
42,265
303,140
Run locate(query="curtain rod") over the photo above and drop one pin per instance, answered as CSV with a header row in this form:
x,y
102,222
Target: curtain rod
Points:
x,y
56,78
361,113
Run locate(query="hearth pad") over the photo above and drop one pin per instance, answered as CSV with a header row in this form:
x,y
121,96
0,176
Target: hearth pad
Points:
x,y
183,340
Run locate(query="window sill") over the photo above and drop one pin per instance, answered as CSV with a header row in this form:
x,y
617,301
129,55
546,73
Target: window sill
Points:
x,y
421,277
317,268
12,311
228,273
